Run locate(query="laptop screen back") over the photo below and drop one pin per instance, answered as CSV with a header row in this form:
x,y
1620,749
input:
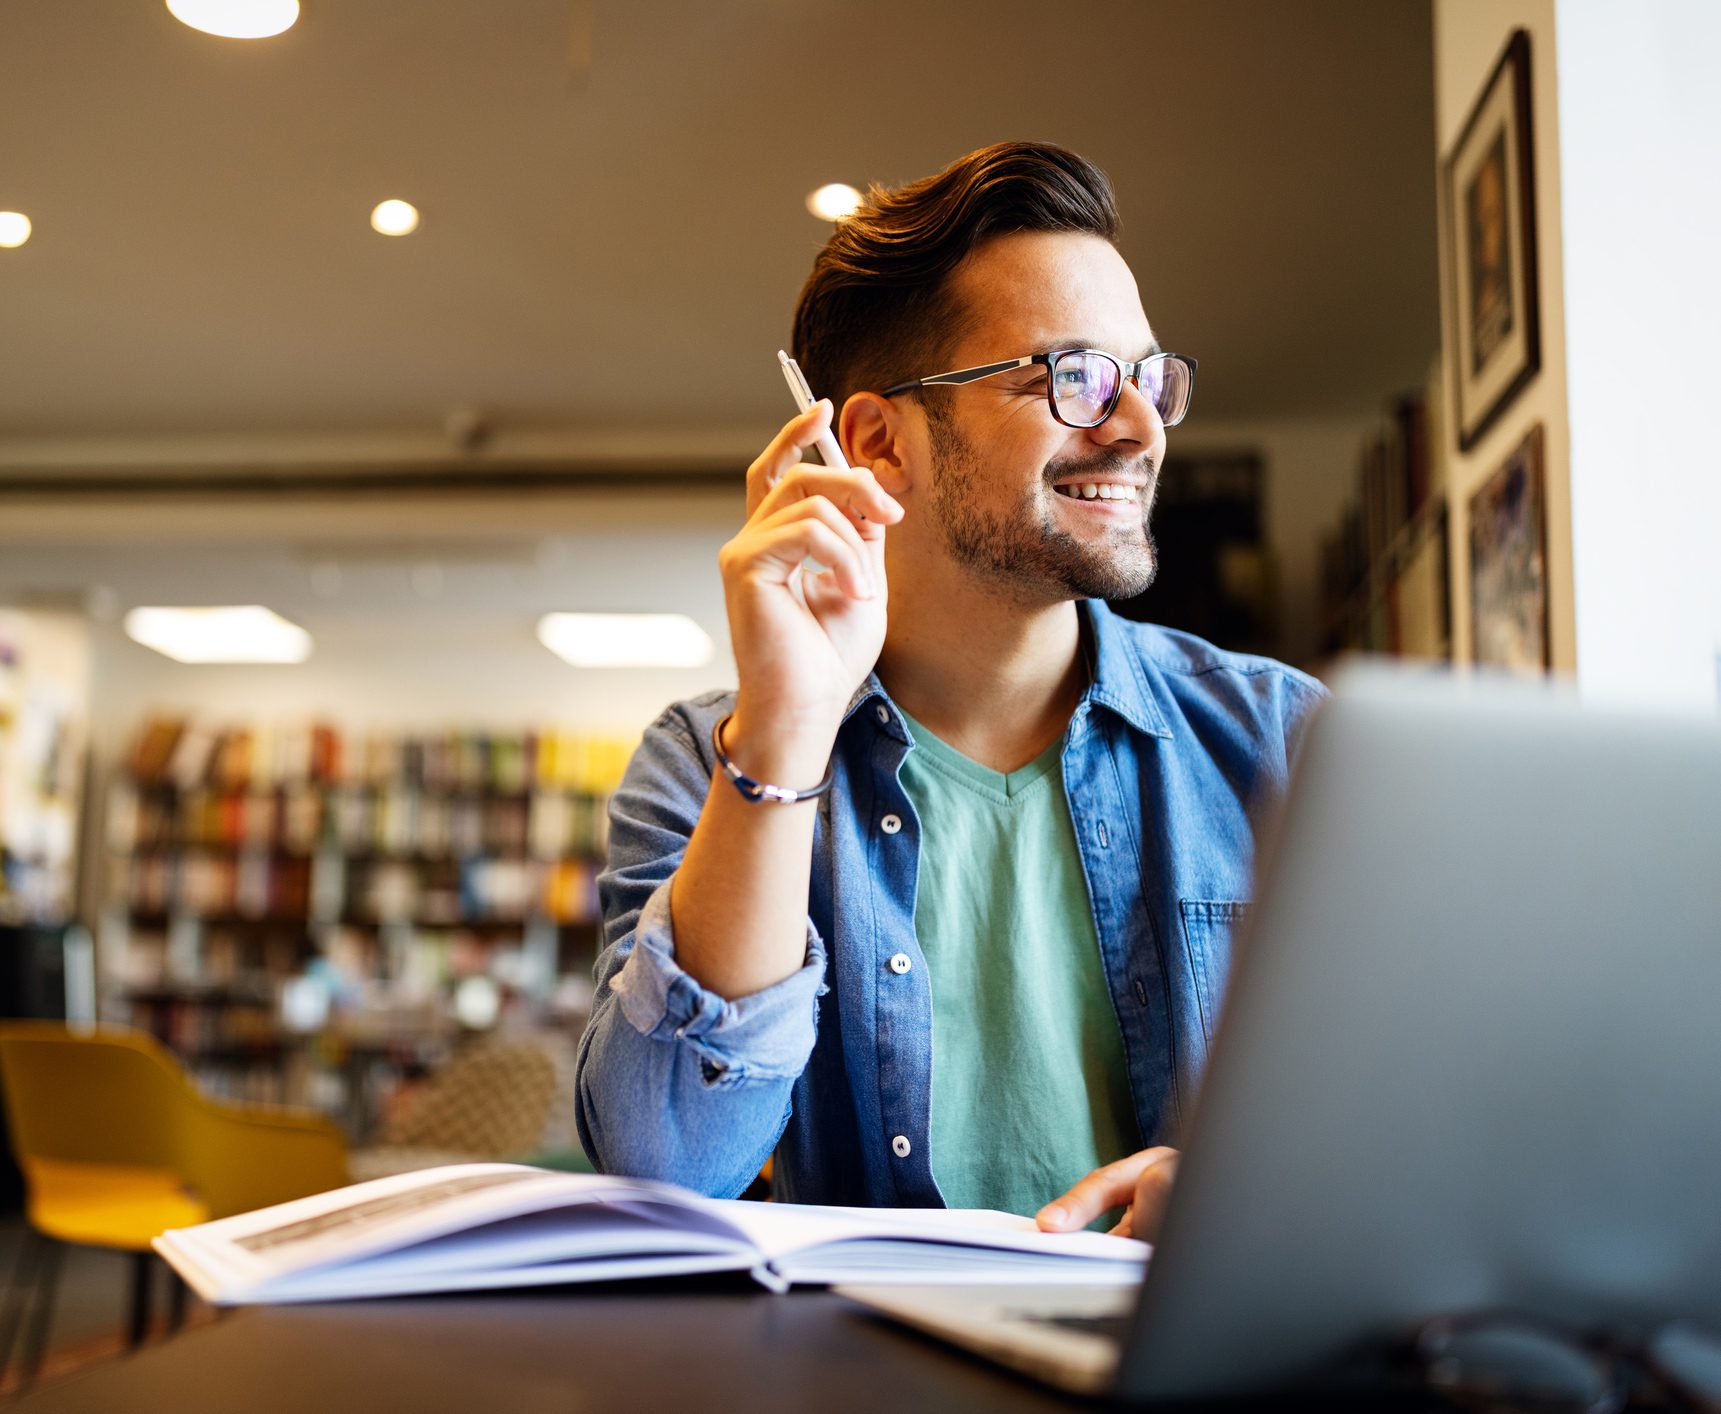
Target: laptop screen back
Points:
x,y
1471,1055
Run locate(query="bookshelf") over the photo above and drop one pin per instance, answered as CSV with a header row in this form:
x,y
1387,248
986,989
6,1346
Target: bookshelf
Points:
x,y
43,724
1384,567
289,906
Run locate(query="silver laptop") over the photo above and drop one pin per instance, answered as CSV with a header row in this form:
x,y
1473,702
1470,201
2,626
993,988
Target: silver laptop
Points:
x,y
1470,1058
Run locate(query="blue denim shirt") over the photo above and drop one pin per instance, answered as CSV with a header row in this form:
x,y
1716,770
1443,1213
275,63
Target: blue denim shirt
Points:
x,y
1169,752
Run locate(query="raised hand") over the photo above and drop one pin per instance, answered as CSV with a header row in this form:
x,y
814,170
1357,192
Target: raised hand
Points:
x,y
805,638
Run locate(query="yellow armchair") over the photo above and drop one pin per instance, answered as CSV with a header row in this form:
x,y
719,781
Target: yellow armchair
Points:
x,y
117,1145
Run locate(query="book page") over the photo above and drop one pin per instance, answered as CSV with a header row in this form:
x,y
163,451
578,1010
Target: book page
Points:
x,y
934,1235
361,1223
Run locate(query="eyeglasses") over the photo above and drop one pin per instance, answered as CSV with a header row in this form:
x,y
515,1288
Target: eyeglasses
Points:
x,y
1083,386
1504,1361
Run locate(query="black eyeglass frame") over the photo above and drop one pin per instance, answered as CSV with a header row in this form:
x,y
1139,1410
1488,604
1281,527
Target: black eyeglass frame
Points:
x,y
1622,1365
1128,371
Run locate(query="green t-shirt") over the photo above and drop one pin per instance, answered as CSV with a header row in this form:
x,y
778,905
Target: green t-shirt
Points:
x,y
1029,1088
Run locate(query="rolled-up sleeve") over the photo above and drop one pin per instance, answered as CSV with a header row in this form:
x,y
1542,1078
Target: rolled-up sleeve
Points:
x,y
767,1036
674,1081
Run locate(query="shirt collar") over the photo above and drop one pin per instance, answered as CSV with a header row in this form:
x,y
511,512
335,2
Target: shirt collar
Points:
x,y
1120,678
1120,682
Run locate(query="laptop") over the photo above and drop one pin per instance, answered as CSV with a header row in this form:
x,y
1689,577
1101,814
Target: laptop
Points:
x,y
1470,1058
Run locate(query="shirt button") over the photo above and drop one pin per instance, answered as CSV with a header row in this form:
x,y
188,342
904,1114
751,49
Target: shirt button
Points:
x,y
890,824
883,712
901,963
901,1147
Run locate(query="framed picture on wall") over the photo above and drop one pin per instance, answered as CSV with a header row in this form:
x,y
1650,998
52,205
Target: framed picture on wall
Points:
x,y
1489,197
1509,564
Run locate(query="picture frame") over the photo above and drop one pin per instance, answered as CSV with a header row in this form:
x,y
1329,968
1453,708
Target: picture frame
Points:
x,y
1509,563
1492,299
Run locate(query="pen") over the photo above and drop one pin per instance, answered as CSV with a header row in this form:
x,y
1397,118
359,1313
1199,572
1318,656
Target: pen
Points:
x,y
829,451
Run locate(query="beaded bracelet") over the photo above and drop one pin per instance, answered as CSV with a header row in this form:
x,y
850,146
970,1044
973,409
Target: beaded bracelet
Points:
x,y
757,791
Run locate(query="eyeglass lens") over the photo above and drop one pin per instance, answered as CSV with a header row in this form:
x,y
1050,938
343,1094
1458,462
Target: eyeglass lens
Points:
x,y
1510,1363
1085,388
1508,1366
1689,1357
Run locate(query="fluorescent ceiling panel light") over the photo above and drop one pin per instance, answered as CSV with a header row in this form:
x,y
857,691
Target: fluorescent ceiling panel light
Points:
x,y
235,633
834,201
626,640
237,19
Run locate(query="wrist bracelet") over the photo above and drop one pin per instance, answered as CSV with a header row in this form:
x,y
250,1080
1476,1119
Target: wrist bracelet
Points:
x,y
757,791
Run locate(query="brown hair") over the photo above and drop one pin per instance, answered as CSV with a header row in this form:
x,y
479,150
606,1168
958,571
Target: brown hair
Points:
x,y
877,308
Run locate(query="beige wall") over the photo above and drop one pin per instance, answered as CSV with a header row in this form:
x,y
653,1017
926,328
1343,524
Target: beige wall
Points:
x,y
1627,122
1468,38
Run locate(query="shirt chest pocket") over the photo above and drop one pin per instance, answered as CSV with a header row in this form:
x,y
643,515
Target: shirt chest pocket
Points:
x,y
1209,929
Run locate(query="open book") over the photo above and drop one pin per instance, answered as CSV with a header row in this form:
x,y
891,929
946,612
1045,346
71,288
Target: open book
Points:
x,y
488,1225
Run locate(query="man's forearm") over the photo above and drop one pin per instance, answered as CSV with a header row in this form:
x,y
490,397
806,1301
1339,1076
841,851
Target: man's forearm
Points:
x,y
739,901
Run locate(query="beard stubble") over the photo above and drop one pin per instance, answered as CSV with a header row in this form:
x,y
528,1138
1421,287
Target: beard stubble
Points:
x,y
1020,547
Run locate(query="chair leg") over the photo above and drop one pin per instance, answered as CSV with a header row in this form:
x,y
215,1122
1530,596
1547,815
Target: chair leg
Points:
x,y
24,1263
142,1265
47,1283
176,1302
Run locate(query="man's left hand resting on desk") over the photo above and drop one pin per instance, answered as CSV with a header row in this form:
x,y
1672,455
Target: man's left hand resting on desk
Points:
x,y
1140,1185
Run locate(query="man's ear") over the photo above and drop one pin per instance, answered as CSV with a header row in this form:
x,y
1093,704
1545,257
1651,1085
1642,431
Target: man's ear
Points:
x,y
870,429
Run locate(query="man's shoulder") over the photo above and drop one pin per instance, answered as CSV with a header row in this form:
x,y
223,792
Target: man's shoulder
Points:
x,y
693,717
1191,671
682,731
1186,656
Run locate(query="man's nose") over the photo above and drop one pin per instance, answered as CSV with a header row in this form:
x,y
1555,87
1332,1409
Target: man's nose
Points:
x,y
1134,419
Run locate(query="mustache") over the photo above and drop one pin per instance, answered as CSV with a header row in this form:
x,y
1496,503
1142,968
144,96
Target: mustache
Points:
x,y
1099,466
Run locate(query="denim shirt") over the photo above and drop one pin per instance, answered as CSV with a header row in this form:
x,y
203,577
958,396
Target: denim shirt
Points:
x,y
1171,752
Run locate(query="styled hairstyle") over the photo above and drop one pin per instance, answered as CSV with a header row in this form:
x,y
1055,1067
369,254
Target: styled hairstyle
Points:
x,y
878,308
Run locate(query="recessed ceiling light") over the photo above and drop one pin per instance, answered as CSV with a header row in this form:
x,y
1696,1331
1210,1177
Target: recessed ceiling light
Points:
x,y
626,640
394,218
235,633
834,201
237,19
14,229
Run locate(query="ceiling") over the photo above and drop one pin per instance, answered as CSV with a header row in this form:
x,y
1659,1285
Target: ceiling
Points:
x,y
613,232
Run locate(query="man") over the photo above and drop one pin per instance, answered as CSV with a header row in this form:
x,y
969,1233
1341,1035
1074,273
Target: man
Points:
x,y
983,961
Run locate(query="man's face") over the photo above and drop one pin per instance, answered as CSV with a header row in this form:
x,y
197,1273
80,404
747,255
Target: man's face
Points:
x,y
1007,477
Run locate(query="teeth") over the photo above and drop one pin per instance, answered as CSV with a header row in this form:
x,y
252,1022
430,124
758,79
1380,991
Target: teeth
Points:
x,y
1090,492
1098,491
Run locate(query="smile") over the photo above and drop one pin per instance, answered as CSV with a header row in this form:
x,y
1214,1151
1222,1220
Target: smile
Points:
x,y
1099,491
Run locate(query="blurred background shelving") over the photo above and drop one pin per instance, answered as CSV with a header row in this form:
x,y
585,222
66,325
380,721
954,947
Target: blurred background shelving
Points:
x,y
308,915
1385,572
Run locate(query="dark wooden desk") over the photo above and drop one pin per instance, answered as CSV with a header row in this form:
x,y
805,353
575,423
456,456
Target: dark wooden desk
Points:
x,y
699,1345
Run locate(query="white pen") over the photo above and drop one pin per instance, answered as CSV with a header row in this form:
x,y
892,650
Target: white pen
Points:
x,y
829,451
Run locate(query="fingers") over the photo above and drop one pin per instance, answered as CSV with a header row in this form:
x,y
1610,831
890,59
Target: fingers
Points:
x,y
785,451
777,549
779,475
856,492
1152,1193
1113,1186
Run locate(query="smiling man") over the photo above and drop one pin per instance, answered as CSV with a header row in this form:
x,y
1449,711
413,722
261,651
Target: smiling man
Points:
x,y
937,907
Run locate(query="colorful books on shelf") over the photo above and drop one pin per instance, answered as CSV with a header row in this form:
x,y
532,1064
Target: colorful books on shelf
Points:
x,y
189,752
264,824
